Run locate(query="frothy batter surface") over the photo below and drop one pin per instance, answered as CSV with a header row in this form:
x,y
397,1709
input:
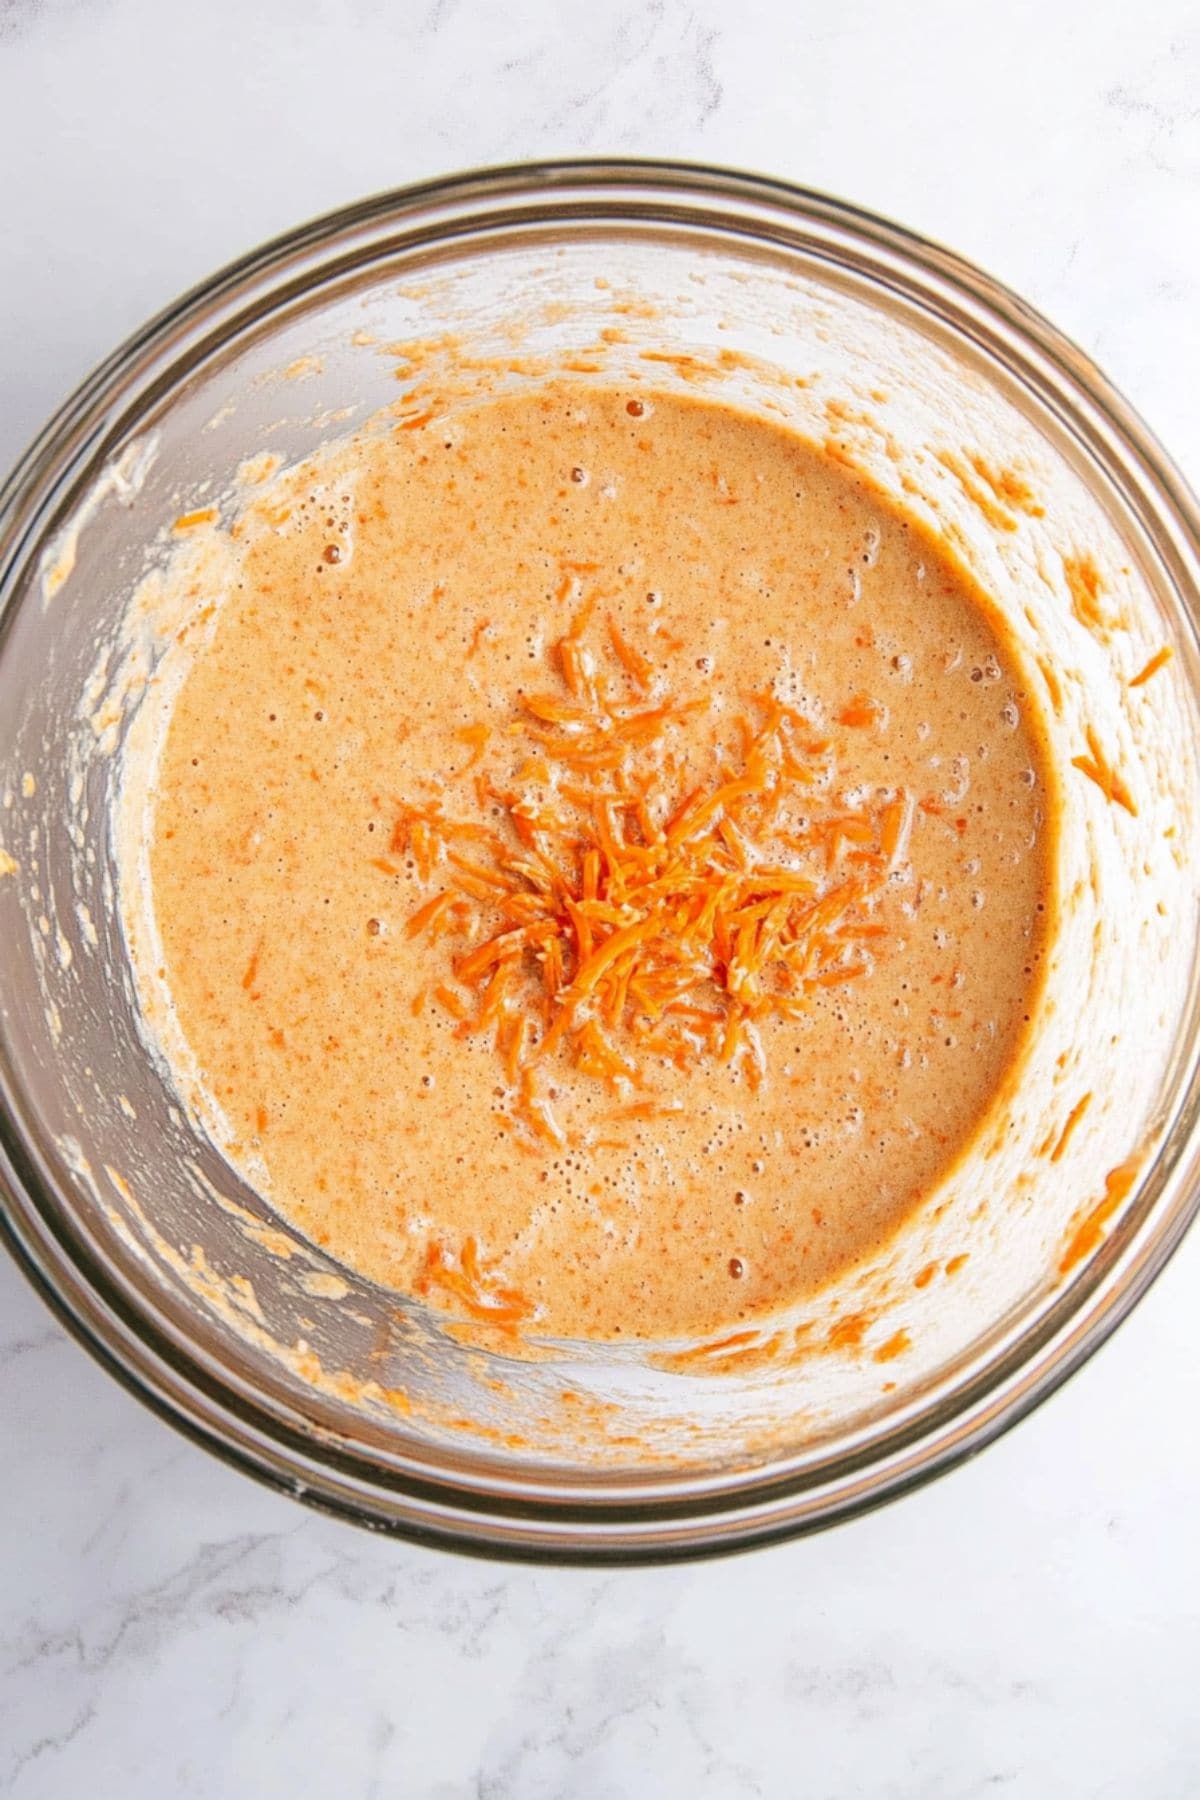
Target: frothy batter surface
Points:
x,y
599,863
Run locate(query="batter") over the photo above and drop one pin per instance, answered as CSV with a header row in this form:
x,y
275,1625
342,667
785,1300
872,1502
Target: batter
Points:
x,y
600,863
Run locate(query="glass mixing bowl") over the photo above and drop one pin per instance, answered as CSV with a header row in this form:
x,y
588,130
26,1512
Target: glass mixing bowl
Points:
x,y
954,397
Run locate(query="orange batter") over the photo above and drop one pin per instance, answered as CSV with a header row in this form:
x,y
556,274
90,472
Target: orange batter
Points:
x,y
600,863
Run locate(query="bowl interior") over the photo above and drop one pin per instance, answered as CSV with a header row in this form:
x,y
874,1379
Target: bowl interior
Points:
x,y
860,341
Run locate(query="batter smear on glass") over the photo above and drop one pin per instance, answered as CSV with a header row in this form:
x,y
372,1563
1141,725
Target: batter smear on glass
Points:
x,y
600,862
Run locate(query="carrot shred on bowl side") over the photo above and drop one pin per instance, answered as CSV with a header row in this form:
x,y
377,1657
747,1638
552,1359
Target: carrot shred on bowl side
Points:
x,y
1158,661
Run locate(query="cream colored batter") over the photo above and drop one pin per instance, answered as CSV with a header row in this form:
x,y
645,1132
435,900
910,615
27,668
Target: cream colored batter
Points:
x,y
600,863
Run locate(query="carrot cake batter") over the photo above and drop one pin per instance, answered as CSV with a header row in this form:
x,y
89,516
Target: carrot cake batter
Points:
x,y
600,862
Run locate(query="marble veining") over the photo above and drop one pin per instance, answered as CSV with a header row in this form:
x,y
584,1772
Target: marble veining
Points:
x,y
1025,1628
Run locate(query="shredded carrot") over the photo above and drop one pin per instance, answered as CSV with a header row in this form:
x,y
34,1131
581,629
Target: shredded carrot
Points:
x,y
1097,768
475,737
1053,685
860,711
897,822
478,1289
534,1110
1073,1117
648,1109
515,1049
1158,661
678,359
1085,584
895,1346
610,918
718,1347
469,1258
1090,1232
630,659
848,1333
427,914
450,1000
187,521
489,878
833,977
478,635
251,974
469,968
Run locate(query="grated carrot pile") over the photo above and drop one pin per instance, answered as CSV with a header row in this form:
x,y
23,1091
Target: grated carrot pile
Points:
x,y
619,918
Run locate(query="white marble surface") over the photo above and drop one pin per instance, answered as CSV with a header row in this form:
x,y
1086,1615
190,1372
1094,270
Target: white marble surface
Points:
x,y
1028,1627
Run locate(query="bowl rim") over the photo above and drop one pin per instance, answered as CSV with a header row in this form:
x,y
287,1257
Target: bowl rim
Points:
x,y
584,1527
